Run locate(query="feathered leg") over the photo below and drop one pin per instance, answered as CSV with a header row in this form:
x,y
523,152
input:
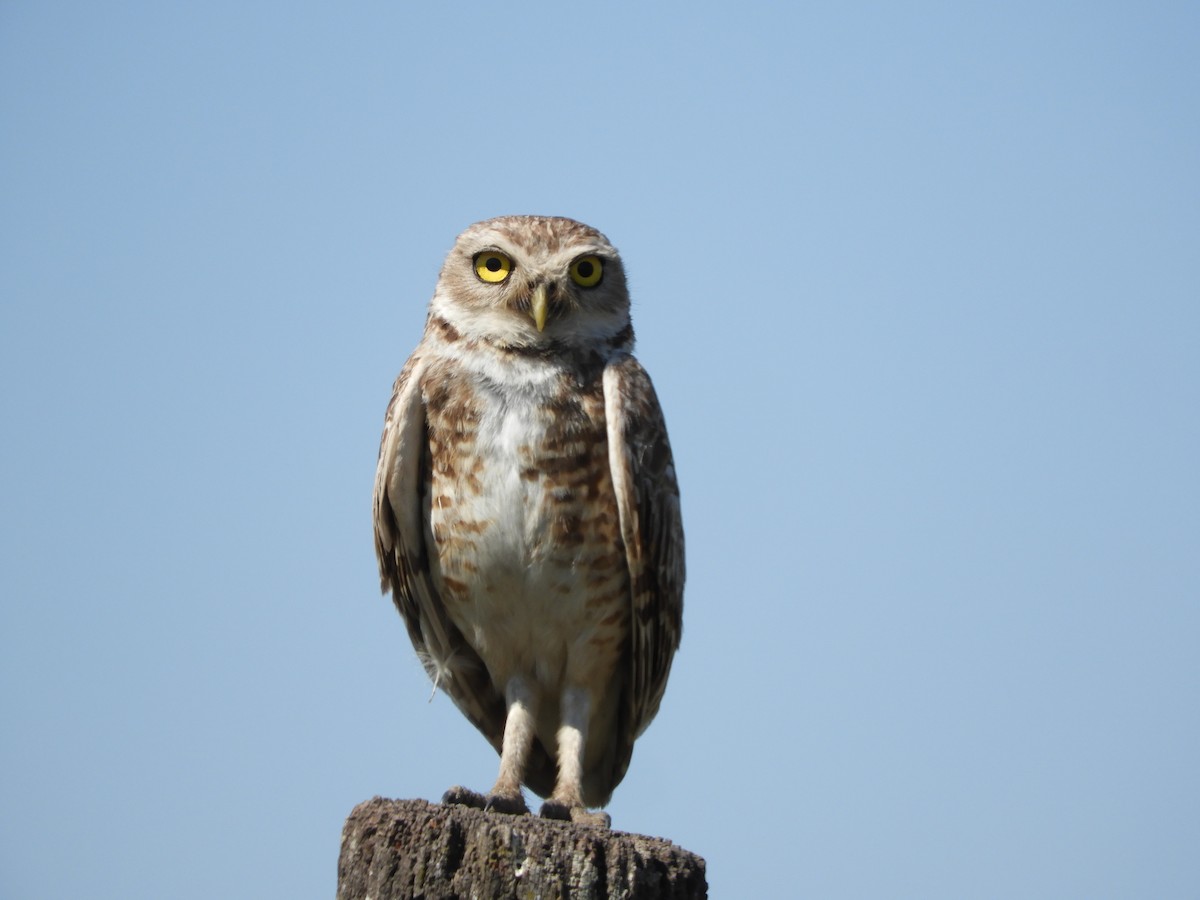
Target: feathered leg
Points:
x,y
567,800
505,795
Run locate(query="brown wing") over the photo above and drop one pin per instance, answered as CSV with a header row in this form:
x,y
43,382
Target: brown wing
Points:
x,y
400,512
643,473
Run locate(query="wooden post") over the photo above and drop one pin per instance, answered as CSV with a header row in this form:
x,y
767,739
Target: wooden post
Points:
x,y
393,849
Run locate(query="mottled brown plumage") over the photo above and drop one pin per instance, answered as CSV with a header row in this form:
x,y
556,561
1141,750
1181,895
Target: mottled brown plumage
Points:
x,y
526,510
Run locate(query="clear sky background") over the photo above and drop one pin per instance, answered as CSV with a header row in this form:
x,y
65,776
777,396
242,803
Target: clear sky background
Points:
x,y
918,286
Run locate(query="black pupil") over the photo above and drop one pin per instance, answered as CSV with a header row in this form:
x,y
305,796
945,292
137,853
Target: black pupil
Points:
x,y
585,269
493,264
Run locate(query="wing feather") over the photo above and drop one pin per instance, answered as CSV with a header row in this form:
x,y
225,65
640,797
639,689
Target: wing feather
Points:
x,y
643,473
400,513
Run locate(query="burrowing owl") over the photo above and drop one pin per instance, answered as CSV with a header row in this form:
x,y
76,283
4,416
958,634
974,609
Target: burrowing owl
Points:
x,y
526,511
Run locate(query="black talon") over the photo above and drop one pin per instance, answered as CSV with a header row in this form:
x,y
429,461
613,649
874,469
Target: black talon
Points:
x,y
461,796
511,806
556,809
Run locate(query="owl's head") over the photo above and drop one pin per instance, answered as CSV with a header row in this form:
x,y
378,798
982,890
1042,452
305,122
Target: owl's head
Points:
x,y
529,281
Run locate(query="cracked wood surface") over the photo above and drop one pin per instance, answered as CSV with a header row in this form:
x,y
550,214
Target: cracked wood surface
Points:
x,y
393,849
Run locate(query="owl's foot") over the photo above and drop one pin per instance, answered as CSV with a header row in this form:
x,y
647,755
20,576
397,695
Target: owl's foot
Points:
x,y
461,796
580,815
509,804
513,805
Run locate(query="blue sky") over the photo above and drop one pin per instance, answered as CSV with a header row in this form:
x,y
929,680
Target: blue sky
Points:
x,y
917,286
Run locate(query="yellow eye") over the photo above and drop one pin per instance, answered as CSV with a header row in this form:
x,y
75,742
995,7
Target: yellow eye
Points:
x,y
587,271
492,266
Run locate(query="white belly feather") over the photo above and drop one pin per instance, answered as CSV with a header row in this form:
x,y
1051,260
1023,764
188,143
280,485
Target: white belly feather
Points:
x,y
523,605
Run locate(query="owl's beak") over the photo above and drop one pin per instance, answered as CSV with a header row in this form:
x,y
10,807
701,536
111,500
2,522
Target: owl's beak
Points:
x,y
538,306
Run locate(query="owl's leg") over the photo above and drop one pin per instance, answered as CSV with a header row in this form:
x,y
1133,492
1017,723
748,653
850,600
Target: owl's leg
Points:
x,y
505,795
519,729
567,800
